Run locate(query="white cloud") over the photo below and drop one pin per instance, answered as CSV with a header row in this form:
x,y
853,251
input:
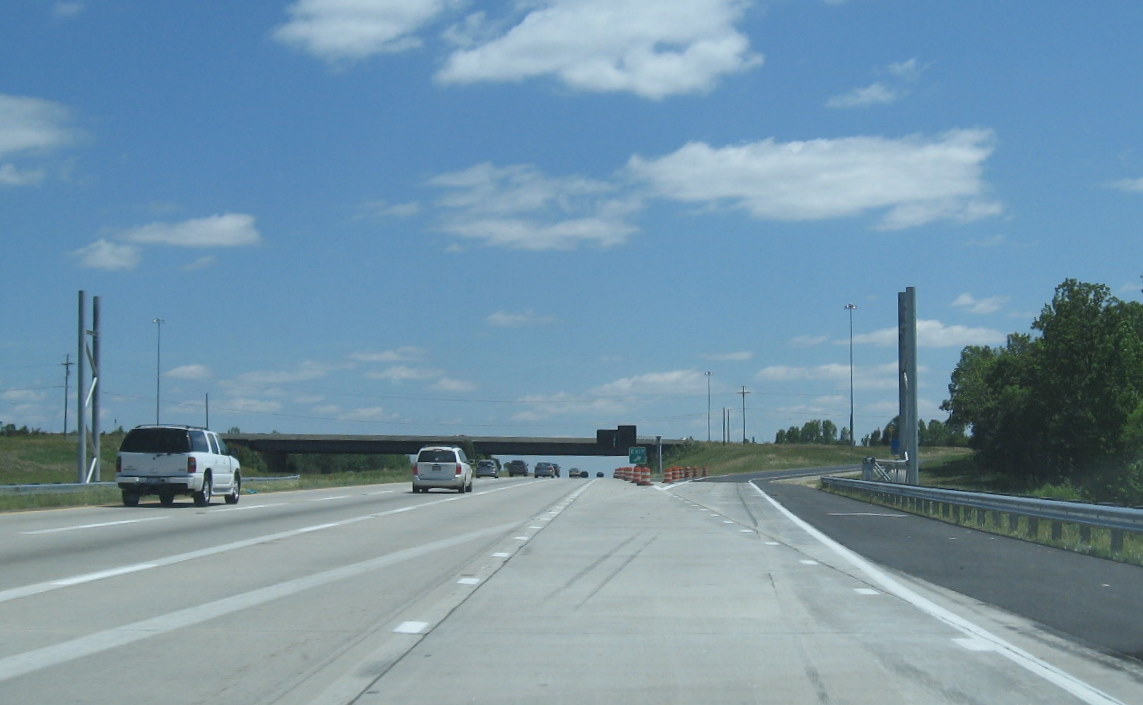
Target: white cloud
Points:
x,y
21,395
916,180
406,353
730,356
546,406
503,319
873,94
67,10
111,256
651,49
190,372
32,124
448,384
201,263
864,377
10,175
380,209
341,30
370,413
519,207
253,406
906,70
303,372
809,341
228,230
972,304
403,373
1129,185
30,128
934,334
654,383
881,93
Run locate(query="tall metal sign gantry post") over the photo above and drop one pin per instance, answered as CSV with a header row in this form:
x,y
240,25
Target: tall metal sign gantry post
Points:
x,y
87,397
907,382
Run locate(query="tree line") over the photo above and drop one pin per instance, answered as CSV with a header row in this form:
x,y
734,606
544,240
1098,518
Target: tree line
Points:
x,y
824,431
1063,406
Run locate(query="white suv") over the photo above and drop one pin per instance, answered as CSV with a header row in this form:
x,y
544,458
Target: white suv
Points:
x,y
176,460
442,466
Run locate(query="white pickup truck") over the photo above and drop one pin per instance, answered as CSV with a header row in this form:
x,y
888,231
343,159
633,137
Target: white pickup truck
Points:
x,y
176,460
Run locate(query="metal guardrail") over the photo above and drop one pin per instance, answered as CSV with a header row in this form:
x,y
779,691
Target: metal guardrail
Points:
x,y
1115,519
60,488
64,487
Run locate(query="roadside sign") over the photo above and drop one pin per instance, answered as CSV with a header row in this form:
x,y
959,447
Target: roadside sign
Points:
x,y
637,455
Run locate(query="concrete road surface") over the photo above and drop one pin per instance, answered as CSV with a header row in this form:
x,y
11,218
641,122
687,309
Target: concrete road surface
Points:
x,y
527,591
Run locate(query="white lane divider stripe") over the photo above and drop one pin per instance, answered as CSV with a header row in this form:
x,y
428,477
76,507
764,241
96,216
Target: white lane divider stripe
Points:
x,y
30,661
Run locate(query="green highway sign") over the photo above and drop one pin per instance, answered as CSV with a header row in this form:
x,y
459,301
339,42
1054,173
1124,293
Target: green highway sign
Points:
x,y
637,455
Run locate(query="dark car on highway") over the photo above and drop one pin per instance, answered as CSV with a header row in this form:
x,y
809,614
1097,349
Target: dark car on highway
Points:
x,y
543,469
517,467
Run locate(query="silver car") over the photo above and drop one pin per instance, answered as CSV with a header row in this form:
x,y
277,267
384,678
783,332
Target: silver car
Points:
x,y
446,467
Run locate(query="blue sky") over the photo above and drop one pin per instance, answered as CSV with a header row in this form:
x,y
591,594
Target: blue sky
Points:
x,y
545,217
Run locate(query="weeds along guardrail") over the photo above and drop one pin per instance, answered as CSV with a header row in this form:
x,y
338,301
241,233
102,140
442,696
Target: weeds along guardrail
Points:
x,y
1024,514
65,487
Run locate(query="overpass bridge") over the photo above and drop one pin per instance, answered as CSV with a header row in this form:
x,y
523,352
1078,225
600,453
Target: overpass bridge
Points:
x,y
275,448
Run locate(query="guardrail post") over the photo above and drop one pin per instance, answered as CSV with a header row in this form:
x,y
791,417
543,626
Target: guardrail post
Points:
x,y
1116,540
1033,527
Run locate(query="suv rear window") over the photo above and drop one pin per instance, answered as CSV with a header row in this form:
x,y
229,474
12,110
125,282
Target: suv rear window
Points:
x,y
155,440
436,456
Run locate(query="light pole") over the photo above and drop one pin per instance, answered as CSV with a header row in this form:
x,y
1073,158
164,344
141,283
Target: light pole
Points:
x,y
708,374
744,393
852,433
158,360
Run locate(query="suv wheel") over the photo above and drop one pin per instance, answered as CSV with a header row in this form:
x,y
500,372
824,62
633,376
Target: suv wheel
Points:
x,y
235,490
201,499
166,498
130,499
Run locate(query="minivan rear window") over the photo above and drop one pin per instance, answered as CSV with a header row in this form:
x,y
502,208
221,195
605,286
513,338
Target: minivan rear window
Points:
x,y
436,456
155,440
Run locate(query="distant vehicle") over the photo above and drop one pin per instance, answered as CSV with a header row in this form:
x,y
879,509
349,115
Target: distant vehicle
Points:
x,y
556,469
446,467
576,472
517,467
488,468
599,474
176,460
544,469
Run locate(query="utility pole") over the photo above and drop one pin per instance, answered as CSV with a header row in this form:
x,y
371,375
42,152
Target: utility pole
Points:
x,y
708,374
744,393
67,363
852,437
158,361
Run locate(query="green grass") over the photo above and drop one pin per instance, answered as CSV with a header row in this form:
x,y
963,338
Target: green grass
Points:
x,y
737,458
51,459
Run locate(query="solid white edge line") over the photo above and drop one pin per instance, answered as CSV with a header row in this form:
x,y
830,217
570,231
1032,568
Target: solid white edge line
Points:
x,y
1084,691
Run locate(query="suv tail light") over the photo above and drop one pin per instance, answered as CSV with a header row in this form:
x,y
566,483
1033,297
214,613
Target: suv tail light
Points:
x,y
192,465
459,469
118,464
415,473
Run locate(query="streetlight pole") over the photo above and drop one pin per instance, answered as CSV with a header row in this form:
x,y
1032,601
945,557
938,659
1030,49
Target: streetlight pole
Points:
x,y
744,393
852,433
158,360
708,374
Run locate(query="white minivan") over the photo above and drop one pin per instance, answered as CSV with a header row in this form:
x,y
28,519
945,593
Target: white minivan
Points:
x,y
446,467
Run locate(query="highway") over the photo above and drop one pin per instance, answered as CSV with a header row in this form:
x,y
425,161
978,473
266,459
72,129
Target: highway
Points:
x,y
525,591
